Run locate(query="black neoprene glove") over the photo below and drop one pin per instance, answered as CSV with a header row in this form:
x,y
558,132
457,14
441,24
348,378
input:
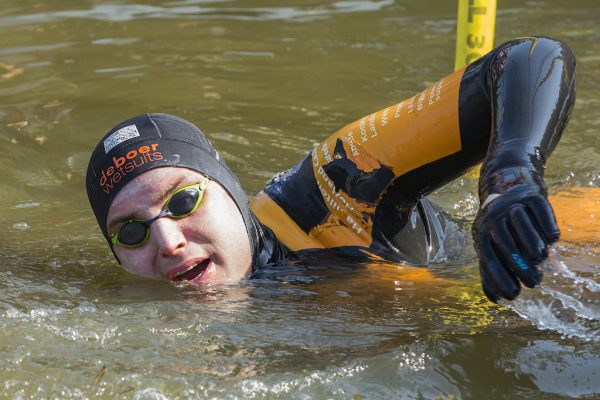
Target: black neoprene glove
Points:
x,y
512,231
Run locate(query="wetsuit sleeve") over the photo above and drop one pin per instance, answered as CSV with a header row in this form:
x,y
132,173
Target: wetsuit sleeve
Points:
x,y
513,105
362,185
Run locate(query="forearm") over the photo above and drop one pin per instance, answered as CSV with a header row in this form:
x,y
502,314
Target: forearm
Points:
x,y
531,83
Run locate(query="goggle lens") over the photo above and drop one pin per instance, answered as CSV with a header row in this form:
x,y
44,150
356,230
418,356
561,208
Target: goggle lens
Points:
x,y
183,202
133,233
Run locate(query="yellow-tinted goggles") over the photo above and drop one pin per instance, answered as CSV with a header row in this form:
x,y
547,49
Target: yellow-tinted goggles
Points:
x,y
182,203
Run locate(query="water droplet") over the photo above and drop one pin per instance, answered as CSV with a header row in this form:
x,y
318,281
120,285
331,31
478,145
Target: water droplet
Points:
x,y
21,226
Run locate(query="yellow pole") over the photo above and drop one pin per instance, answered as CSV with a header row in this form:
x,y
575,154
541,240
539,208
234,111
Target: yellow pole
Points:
x,y
474,36
475,30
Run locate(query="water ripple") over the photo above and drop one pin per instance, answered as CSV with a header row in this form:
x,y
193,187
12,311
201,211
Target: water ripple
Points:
x,y
128,12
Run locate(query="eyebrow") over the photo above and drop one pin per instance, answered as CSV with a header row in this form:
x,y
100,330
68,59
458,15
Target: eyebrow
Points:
x,y
161,199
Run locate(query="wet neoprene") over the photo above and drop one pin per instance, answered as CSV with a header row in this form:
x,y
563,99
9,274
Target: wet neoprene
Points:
x,y
363,189
364,186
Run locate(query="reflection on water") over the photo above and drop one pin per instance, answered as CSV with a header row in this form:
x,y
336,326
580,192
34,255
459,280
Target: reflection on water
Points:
x,y
266,81
566,370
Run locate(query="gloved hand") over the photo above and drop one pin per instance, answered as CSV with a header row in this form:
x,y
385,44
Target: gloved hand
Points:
x,y
512,232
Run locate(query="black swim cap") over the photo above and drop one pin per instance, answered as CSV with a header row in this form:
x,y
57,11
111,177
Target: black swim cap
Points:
x,y
152,141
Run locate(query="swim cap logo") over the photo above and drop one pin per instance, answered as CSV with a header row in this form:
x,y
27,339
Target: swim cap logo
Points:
x,y
124,165
119,136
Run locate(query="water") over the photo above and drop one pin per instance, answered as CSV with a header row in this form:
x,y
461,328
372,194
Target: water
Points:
x,y
266,81
567,301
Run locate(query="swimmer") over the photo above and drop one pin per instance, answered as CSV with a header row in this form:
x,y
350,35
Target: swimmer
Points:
x,y
170,207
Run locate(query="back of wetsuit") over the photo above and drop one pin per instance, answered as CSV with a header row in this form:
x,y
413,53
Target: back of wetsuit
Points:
x,y
364,186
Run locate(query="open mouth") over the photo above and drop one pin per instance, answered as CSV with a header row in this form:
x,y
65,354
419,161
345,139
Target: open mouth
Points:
x,y
194,272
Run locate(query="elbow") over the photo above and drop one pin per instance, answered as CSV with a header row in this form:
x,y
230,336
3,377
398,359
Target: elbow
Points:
x,y
533,58
533,85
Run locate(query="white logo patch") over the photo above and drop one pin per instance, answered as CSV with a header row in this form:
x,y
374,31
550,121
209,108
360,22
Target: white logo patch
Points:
x,y
123,134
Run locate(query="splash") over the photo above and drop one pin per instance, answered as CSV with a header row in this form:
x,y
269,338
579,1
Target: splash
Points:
x,y
565,302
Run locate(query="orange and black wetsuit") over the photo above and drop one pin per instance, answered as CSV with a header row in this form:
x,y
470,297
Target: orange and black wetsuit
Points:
x,y
363,188
362,191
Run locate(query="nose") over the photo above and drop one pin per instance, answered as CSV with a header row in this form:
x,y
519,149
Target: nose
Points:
x,y
168,235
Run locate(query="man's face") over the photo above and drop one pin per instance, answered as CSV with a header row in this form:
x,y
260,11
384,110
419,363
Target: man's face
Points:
x,y
210,245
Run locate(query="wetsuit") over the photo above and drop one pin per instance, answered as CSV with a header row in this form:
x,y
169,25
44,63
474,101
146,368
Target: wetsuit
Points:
x,y
362,191
365,186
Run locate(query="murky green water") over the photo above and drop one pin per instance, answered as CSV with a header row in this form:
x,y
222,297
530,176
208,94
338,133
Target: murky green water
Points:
x,y
266,80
